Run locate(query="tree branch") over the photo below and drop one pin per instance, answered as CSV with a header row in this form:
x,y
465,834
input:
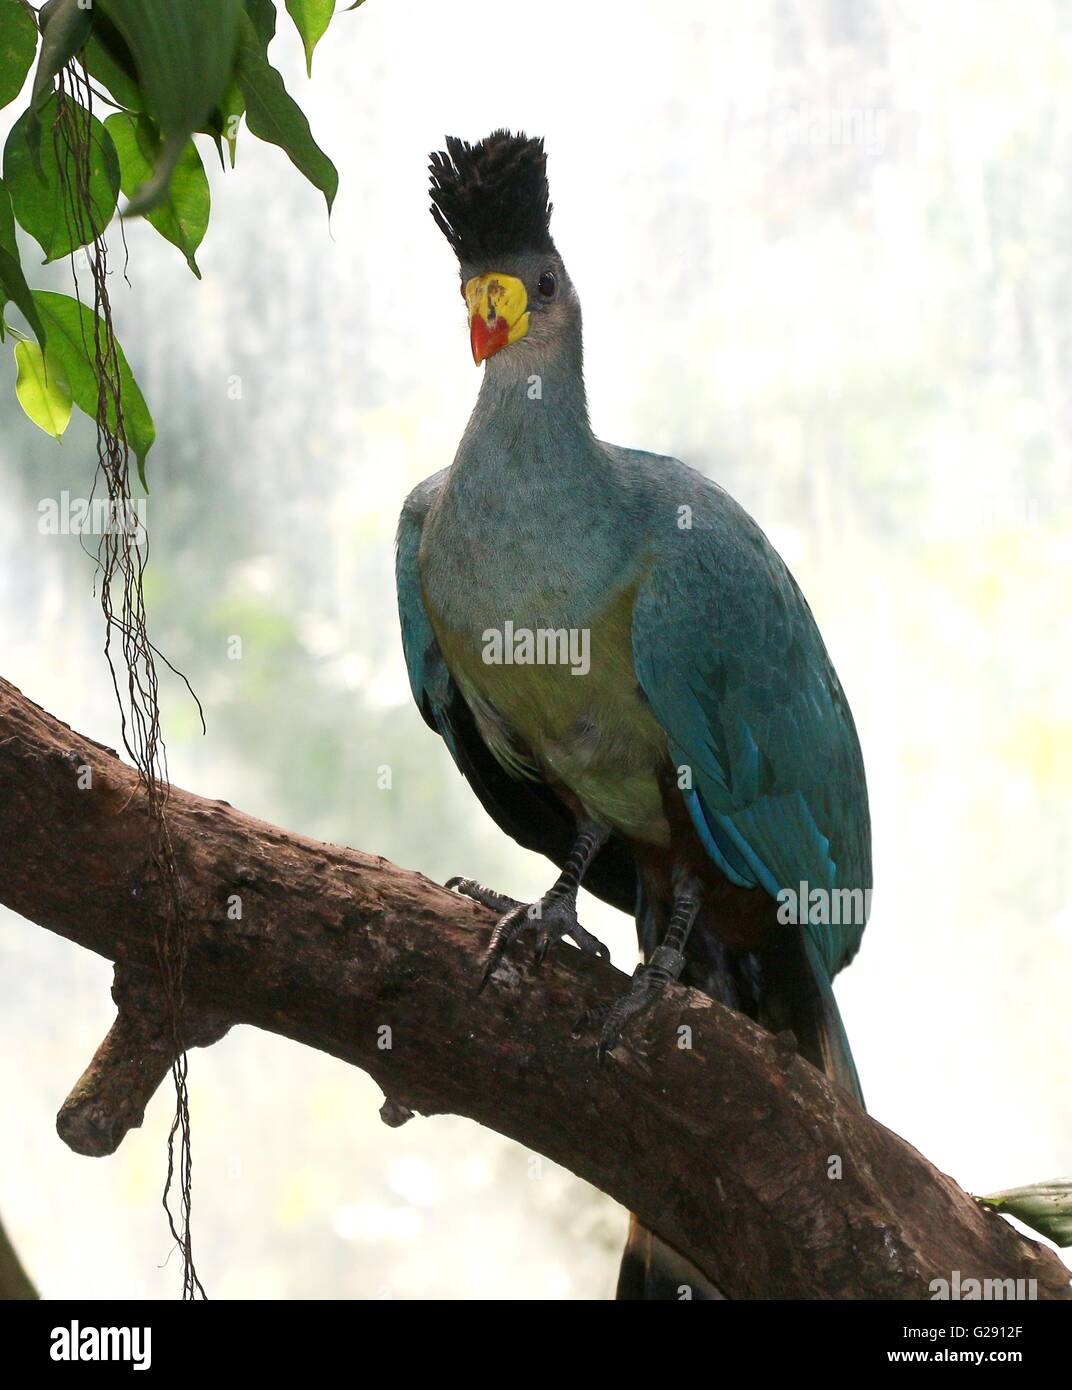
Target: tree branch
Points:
x,y
723,1148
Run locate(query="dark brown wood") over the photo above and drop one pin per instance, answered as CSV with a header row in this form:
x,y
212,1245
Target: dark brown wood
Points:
x,y
725,1147
109,1098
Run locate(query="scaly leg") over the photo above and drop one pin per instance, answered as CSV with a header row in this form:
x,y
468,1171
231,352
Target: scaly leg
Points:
x,y
649,980
554,915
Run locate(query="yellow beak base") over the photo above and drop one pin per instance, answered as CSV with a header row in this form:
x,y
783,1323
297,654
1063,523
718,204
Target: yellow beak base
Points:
x,y
498,313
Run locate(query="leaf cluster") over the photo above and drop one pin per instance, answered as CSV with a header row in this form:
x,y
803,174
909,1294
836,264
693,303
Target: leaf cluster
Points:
x,y
171,70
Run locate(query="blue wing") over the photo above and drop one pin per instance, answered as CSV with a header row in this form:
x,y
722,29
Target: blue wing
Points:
x,y
429,680
728,654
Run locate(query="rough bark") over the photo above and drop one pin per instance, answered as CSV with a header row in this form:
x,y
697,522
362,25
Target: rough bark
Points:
x,y
724,1148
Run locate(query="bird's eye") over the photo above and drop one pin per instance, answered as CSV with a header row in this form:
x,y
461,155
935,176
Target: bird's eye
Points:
x,y
547,284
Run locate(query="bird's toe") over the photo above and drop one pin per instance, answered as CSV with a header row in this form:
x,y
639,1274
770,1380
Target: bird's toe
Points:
x,y
487,897
589,944
557,917
506,930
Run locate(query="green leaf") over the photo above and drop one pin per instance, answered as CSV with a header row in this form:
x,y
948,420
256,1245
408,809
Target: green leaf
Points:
x,y
1044,1206
13,284
311,19
184,54
111,63
273,115
182,218
18,44
42,389
262,15
232,109
71,329
65,28
7,222
223,122
38,196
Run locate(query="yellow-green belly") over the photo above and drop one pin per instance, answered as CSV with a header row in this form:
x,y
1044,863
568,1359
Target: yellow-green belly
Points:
x,y
593,732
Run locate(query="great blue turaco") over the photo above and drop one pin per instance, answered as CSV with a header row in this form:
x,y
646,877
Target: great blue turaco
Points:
x,y
701,759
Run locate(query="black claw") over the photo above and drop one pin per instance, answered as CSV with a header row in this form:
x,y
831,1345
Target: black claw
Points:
x,y
491,961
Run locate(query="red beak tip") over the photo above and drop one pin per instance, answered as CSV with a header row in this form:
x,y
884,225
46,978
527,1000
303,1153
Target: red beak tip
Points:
x,y
487,341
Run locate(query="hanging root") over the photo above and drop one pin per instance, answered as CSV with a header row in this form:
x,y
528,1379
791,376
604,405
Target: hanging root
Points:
x,y
121,559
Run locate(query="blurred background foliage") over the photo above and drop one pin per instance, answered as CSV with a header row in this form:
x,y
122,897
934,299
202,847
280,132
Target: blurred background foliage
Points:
x,y
823,251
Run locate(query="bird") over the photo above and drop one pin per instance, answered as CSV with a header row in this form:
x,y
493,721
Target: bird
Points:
x,y
627,674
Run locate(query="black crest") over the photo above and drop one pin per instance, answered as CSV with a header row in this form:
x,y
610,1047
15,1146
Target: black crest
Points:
x,y
491,199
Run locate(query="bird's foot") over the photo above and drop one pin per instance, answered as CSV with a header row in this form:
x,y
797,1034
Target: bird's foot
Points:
x,y
649,983
553,917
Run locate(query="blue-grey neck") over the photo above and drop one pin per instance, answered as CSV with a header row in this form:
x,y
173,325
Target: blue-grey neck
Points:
x,y
527,524
529,435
